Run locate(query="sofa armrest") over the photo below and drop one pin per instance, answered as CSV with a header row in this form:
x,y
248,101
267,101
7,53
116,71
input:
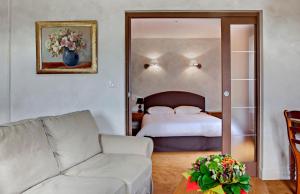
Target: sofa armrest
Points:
x,y
126,145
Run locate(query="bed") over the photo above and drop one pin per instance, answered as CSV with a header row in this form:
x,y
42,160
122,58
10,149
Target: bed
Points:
x,y
173,125
181,132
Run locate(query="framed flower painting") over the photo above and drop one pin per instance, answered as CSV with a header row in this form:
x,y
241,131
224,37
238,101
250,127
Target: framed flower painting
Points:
x,y
66,47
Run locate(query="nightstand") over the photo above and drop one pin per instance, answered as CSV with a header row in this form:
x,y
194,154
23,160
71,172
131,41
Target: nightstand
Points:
x,y
137,118
215,114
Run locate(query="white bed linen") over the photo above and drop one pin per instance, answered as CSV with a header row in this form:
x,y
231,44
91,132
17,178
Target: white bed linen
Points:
x,y
167,125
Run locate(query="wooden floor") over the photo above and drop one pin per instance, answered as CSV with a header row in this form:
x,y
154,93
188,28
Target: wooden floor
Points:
x,y
168,167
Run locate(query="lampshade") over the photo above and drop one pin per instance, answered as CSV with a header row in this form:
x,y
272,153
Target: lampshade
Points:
x,y
139,100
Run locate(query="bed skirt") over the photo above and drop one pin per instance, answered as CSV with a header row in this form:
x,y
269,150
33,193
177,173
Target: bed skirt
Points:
x,y
187,143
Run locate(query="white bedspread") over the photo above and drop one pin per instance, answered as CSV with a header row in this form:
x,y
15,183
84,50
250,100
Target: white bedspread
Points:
x,y
168,125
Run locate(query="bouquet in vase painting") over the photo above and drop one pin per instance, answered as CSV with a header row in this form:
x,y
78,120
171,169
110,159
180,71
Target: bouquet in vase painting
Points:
x,y
63,39
218,174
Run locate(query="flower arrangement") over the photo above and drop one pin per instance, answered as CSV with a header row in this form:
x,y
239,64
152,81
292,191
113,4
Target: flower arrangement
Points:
x,y
65,39
218,174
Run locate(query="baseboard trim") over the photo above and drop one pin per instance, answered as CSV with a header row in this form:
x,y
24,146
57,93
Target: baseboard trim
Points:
x,y
274,174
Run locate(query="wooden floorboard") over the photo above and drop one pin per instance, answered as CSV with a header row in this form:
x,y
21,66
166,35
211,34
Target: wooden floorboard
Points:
x,y
280,187
168,167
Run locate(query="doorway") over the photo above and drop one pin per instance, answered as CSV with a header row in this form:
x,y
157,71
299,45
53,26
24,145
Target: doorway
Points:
x,y
240,78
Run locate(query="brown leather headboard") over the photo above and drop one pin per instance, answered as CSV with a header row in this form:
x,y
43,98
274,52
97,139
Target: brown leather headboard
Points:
x,y
174,99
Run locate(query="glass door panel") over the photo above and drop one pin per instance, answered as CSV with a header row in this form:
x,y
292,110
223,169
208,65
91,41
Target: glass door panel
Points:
x,y
242,65
243,92
243,121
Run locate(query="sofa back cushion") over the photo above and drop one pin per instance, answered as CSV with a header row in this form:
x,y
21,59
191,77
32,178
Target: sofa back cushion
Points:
x,y
26,158
73,136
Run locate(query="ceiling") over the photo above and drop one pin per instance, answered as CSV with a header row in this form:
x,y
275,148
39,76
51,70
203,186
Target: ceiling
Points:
x,y
176,28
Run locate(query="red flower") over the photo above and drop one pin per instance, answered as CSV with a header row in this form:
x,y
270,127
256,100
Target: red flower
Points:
x,y
243,192
191,186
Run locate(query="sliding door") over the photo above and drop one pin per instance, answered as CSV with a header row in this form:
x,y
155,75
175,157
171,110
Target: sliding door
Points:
x,y
240,89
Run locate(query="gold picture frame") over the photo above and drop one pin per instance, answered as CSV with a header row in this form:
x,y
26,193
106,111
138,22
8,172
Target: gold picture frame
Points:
x,y
65,47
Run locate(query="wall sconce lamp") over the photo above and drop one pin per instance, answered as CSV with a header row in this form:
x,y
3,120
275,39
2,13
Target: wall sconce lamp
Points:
x,y
195,64
146,66
153,62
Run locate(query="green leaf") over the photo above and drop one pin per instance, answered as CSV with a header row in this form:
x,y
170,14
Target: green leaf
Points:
x,y
200,182
195,175
244,179
205,187
204,169
245,187
227,189
207,183
235,189
207,180
213,165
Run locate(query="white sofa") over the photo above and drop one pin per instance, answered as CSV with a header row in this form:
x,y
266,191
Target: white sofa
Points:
x,y
62,155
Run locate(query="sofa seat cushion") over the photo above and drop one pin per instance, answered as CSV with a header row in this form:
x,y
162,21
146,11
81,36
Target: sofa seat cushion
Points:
x,y
25,156
134,170
73,137
78,185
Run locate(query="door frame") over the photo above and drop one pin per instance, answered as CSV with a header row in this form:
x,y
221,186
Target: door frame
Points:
x,y
129,15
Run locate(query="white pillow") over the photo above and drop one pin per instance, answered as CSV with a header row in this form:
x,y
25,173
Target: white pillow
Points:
x,y
160,110
188,110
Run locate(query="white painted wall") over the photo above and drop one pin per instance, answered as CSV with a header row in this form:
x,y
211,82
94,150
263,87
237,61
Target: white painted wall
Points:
x,y
35,95
174,73
4,61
